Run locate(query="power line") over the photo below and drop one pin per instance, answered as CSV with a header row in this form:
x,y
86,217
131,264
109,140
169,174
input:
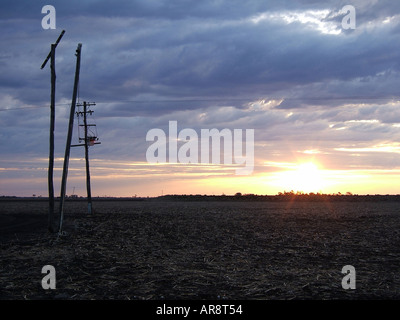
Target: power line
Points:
x,y
36,107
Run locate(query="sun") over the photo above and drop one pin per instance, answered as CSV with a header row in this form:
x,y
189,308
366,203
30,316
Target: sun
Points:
x,y
307,177
303,177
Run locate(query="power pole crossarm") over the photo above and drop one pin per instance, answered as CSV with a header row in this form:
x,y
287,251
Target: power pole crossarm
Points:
x,y
55,45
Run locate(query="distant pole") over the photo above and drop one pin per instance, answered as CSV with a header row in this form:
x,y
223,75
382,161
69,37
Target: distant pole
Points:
x,y
89,193
69,137
89,141
51,57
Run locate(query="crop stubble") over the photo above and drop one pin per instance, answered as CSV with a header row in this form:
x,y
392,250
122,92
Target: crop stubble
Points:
x,y
158,249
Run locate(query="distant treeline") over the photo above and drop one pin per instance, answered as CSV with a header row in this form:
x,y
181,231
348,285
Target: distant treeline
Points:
x,y
285,196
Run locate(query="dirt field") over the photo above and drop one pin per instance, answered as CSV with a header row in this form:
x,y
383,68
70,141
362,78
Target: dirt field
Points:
x,y
213,250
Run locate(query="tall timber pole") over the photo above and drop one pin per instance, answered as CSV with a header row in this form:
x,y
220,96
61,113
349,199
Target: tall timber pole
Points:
x,y
51,57
69,137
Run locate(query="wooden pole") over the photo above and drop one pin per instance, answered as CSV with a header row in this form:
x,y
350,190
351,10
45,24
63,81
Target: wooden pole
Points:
x,y
51,225
51,56
86,144
69,137
89,193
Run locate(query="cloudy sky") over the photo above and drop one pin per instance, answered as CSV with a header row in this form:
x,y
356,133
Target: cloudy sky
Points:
x,y
312,91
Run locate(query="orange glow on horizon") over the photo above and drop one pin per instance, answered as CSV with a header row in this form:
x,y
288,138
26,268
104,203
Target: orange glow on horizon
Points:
x,y
304,177
126,178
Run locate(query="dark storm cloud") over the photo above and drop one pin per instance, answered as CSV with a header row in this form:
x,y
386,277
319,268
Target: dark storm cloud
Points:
x,y
182,49
155,9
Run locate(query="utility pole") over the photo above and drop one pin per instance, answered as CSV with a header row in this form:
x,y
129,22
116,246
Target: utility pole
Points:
x,y
51,56
89,140
69,137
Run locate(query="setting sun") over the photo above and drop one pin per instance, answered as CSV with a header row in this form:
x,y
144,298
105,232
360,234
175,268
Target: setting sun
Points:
x,y
304,177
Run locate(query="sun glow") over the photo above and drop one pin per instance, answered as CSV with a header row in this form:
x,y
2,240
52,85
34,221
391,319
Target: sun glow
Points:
x,y
304,177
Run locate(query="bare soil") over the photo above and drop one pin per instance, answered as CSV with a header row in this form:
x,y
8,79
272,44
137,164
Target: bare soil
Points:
x,y
157,249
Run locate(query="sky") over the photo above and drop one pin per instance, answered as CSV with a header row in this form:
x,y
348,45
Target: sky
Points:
x,y
322,100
